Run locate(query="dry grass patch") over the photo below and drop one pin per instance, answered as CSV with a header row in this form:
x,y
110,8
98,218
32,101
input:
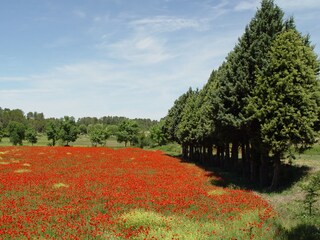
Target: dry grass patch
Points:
x,y
60,185
4,163
22,170
217,192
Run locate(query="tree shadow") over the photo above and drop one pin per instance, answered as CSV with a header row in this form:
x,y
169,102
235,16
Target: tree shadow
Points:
x,y
234,179
303,231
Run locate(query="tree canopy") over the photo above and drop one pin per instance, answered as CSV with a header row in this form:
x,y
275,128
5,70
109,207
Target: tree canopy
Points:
x,y
263,99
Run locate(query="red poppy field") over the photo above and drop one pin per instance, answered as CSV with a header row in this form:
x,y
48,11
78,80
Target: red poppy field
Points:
x,y
101,193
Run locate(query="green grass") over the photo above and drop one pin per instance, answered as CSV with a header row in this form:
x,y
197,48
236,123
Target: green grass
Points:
x,y
172,149
82,141
293,217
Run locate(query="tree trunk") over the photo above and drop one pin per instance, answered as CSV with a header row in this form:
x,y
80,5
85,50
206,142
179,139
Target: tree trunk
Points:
x,y
227,158
191,153
243,159
222,156
263,171
210,157
234,154
218,155
276,172
255,157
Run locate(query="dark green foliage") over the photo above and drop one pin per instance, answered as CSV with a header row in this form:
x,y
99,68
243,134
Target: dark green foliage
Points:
x,y
83,129
312,190
143,123
285,94
53,130
1,132
263,99
8,115
174,116
37,121
128,132
16,131
31,135
68,130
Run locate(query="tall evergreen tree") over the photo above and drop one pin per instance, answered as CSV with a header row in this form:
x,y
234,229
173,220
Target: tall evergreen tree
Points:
x,y
173,117
240,79
285,101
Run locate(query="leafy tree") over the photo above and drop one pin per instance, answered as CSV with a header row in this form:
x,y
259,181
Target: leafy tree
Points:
x,y
31,135
83,129
98,134
142,140
285,102
53,130
128,132
8,115
68,130
16,132
157,135
113,129
37,121
1,132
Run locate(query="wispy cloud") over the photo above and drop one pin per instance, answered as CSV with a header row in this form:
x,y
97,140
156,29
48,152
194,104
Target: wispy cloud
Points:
x,y
285,4
246,5
138,49
159,24
299,5
13,79
79,13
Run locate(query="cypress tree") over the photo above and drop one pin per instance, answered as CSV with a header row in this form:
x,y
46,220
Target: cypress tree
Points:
x,y
285,101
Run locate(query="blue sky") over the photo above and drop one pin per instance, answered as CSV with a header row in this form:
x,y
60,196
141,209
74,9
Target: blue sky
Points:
x,y
128,58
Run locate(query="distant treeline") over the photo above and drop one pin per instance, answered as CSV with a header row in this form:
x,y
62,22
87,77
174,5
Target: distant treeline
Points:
x,y
18,126
38,120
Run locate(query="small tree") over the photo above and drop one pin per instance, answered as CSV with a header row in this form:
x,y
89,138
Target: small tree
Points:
x,y
68,131
98,134
52,130
128,132
16,132
31,136
1,132
312,189
83,129
157,134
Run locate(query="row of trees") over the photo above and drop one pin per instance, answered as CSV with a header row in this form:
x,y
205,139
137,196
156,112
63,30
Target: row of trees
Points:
x,y
18,127
263,100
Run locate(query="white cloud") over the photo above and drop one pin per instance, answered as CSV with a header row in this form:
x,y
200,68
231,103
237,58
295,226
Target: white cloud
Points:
x,y
12,79
298,5
79,13
246,5
160,24
285,4
140,50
